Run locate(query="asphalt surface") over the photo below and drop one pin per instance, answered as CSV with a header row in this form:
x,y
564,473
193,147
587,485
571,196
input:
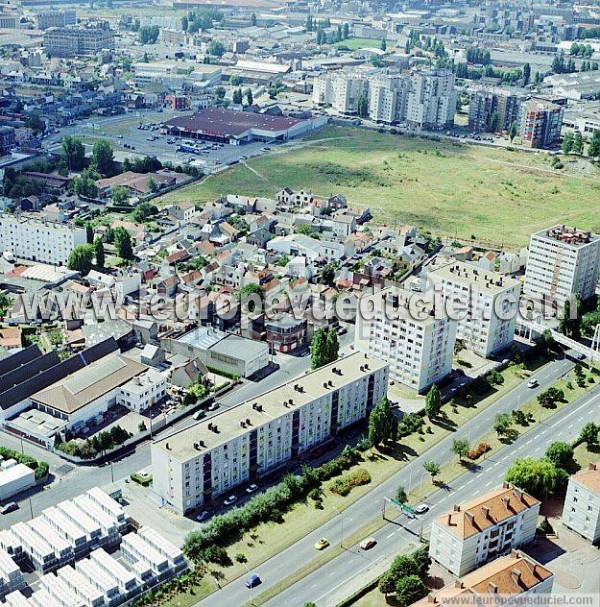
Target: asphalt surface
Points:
x,y
365,509
324,584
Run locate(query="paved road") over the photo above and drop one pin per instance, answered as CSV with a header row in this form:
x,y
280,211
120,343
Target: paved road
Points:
x,y
280,567
330,583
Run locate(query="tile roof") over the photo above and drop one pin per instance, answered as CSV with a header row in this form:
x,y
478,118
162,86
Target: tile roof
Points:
x,y
486,510
589,478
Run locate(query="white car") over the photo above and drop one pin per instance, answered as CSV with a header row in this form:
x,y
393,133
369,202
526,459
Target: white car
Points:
x,y
232,499
252,488
203,516
421,508
533,383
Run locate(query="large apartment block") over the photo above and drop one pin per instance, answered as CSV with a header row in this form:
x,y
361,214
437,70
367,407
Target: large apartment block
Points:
x,y
494,110
491,302
541,123
483,529
423,98
514,575
562,262
581,511
431,100
199,463
78,41
46,19
39,240
418,347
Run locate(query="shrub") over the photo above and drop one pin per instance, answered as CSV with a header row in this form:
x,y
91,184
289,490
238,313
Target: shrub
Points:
x,y
144,481
545,528
343,486
479,450
410,424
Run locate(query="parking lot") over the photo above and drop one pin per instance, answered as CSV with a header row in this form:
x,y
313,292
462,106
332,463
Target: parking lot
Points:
x,y
138,134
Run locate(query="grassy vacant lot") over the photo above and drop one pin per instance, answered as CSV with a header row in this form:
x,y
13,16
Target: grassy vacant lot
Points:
x,y
357,43
452,189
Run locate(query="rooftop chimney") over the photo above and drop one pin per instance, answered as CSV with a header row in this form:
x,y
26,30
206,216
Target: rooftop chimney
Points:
x,y
515,574
492,588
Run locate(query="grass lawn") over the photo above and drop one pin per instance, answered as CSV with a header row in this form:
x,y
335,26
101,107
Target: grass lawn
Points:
x,y
357,43
446,187
269,539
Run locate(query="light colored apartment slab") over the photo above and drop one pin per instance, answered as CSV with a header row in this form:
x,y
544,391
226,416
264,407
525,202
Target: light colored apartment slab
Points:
x,y
418,347
581,511
199,463
484,528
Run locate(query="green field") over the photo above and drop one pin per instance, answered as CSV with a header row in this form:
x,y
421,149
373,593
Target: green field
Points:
x,y
498,196
357,43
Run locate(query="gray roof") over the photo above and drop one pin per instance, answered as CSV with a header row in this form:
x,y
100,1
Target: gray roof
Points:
x,y
239,347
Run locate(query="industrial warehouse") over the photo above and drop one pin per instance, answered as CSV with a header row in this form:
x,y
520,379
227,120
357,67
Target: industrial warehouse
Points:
x,y
236,127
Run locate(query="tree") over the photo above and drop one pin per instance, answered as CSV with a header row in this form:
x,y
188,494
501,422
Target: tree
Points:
x,y
237,96
512,131
85,186
346,31
383,425
216,48
409,590
432,467
401,495
332,346
502,424
578,143
526,74
433,402
567,143
387,583
403,566
220,92
547,342
123,244
323,348
423,560
144,211
327,275
99,253
89,233
362,106
570,321
589,435
253,20
80,259
539,478
594,146
184,23
120,194
383,45
460,447
561,454
73,152
249,96
103,158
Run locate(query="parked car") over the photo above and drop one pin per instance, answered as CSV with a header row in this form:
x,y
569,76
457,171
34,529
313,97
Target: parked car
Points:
x,y
253,581
232,499
252,488
203,516
533,383
421,508
199,414
368,543
9,507
322,544
212,407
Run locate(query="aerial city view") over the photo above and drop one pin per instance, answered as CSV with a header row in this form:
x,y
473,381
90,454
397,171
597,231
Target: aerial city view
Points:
x,y
299,303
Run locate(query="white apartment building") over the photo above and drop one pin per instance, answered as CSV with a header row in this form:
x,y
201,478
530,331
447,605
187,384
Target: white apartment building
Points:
x,y
424,98
418,347
388,98
432,99
39,240
562,262
199,463
581,511
486,304
483,529
514,575
143,391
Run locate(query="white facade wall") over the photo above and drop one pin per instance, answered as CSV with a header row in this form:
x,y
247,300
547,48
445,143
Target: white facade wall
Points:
x,y
560,269
432,99
581,511
39,240
181,481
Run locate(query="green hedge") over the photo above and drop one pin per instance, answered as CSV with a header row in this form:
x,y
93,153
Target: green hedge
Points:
x,y
233,376
144,481
40,467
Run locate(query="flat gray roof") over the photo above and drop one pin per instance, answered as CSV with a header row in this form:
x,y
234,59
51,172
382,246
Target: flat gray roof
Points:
x,y
181,444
